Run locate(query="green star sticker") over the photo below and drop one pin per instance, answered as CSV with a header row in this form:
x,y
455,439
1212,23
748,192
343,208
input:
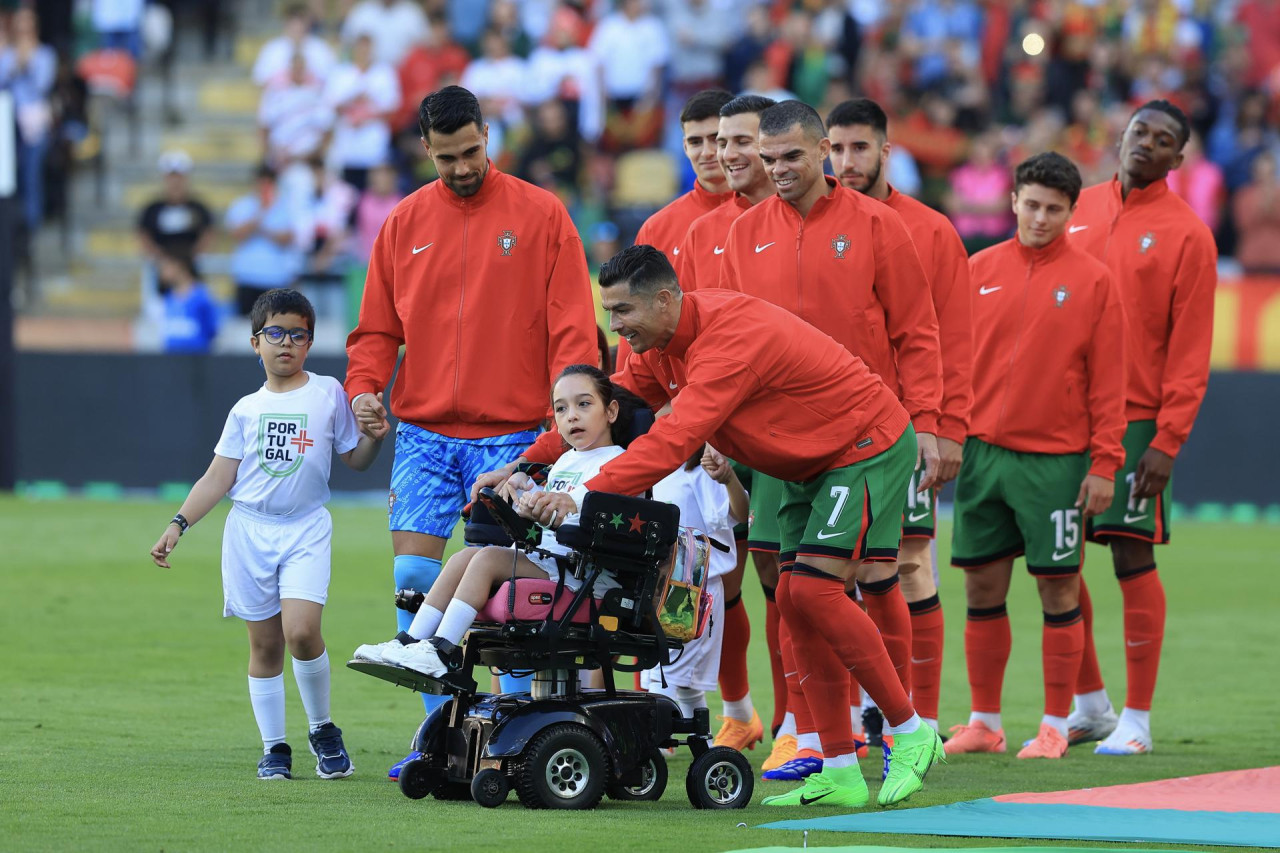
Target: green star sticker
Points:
x,y
616,521
532,533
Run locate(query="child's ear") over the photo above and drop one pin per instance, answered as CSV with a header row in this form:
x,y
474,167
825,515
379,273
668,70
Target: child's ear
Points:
x,y
613,411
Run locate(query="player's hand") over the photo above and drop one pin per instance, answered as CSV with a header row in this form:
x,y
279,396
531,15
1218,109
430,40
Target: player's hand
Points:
x,y
371,415
715,464
514,485
927,461
493,479
1154,470
546,508
1095,495
950,457
161,550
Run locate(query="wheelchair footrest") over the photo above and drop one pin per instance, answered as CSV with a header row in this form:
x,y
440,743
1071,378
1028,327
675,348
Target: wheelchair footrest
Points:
x,y
449,685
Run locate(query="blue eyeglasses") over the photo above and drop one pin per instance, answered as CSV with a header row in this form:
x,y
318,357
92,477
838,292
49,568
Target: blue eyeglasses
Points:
x,y
276,335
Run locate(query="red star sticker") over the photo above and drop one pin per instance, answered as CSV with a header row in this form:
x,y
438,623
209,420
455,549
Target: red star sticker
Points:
x,y
636,523
302,442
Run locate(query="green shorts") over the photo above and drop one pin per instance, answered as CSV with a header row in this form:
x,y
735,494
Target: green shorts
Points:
x,y
744,477
766,499
919,516
1010,503
1146,519
849,513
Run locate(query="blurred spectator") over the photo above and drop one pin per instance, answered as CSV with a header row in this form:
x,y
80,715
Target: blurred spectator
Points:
x,y
294,116
561,68
1240,136
395,26
553,157
118,24
191,317
748,48
364,94
265,255
496,78
375,205
504,16
1256,210
700,35
1199,182
1260,22
326,226
930,135
277,56
928,28
175,223
759,80
1087,138
431,64
632,48
28,70
978,202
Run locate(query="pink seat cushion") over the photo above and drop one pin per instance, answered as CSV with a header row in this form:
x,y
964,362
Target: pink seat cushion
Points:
x,y
533,602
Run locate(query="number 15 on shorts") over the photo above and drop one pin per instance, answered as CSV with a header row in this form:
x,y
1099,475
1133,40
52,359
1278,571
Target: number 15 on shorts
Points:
x,y
1066,533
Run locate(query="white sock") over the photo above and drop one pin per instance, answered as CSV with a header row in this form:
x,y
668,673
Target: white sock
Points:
x,y
991,721
1131,719
788,726
855,718
267,697
1059,723
425,622
809,741
850,760
690,699
907,727
866,700
458,617
933,724
740,709
1093,704
312,677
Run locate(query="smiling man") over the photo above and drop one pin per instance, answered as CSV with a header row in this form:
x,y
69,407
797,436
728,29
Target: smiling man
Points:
x,y
1043,447
473,271
1164,263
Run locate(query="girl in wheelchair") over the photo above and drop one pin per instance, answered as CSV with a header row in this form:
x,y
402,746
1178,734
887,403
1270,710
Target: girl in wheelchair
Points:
x,y
593,415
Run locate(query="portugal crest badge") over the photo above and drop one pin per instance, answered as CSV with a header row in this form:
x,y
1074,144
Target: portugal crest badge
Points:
x,y
507,241
1060,296
1146,242
840,244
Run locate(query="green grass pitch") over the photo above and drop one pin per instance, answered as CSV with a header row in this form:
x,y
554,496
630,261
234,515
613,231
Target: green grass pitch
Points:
x,y
125,722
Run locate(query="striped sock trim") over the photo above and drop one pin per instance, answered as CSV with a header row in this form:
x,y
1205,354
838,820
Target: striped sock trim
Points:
x,y
770,592
879,587
731,603
1062,620
1130,574
982,614
925,605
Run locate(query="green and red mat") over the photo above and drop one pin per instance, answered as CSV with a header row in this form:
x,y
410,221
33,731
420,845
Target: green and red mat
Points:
x,y
1237,808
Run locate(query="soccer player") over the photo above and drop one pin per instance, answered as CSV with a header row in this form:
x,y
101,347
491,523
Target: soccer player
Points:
x,y
846,264
1043,446
483,280
698,265
1163,261
859,131
273,459
728,363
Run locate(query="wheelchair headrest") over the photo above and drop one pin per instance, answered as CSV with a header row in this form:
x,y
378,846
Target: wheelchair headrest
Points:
x,y
641,421
621,527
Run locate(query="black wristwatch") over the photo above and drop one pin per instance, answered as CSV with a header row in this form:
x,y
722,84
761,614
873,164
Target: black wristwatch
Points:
x,y
181,521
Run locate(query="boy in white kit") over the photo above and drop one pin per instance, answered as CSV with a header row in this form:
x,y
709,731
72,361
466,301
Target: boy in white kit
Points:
x,y
711,499
273,460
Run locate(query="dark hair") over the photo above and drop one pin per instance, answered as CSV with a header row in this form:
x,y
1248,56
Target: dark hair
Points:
x,y
704,105
859,111
181,257
783,116
297,10
628,403
606,354
643,267
1171,110
449,110
746,104
281,301
264,170
1051,170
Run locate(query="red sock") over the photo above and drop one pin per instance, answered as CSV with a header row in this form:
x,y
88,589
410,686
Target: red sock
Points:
x,y
987,643
1062,644
822,610
821,677
927,630
855,688
1090,678
888,610
734,683
796,703
771,626
1144,610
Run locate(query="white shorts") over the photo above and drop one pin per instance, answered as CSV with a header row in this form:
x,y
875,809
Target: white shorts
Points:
x,y
604,583
699,664
268,557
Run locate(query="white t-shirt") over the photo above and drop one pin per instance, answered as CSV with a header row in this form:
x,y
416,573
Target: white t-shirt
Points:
x,y
570,472
628,52
359,141
394,30
276,55
285,444
704,505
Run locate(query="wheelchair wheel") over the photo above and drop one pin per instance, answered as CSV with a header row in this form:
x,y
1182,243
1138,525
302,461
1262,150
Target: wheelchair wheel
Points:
x,y
564,767
490,787
652,786
418,779
720,778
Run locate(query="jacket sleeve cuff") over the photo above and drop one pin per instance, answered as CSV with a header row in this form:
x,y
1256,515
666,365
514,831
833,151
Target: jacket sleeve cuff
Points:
x,y
954,430
1105,470
356,387
925,422
1166,444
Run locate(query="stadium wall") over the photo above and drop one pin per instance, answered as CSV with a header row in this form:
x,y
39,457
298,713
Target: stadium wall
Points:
x,y
140,421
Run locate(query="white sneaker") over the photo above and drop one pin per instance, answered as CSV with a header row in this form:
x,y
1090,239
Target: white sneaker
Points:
x,y
1082,728
1125,740
420,657
377,652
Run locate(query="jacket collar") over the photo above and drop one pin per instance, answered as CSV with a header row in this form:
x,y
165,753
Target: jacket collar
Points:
x,y
1149,194
707,199
490,187
1042,255
686,330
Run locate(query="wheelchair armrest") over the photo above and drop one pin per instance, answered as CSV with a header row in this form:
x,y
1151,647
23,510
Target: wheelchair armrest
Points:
x,y
572,536
521,530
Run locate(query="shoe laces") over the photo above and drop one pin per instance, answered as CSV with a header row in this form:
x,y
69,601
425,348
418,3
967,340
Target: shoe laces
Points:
x,y
327,741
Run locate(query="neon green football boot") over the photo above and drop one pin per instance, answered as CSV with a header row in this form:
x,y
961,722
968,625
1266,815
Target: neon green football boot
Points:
x,y
912,756
843,787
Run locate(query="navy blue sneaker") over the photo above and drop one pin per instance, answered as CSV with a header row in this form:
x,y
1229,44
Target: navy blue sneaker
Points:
x,y
394,773
277,764
332,761
794,770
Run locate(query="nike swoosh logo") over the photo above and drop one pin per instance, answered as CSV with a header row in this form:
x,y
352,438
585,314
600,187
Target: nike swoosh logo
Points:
x,y
760,248
831,535
1074,228
417,249
925,660
1131,643
1130,519
804,801
676,250
1063,555
911,516
673,386
719,251
983,291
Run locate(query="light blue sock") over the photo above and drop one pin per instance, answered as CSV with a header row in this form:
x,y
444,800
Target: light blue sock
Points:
x,y
414,572
516,683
